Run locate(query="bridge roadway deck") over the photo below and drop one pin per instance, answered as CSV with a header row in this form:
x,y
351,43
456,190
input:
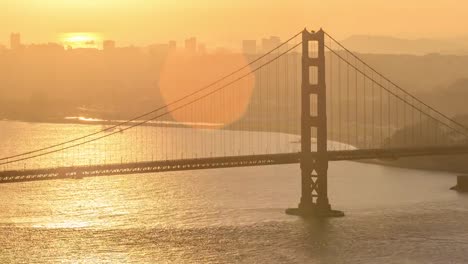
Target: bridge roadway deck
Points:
x,y
217,162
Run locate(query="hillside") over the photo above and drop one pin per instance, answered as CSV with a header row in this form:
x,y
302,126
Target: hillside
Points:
x,y
392,45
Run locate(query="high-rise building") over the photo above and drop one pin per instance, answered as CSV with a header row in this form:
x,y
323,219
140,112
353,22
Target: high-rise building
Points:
x,y
265,44
159,49
270,43
172,45
46,48
191,44
202,48
15,41
108,45
275,41
249,46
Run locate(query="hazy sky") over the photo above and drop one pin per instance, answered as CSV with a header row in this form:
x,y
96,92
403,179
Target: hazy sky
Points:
x,y
222,22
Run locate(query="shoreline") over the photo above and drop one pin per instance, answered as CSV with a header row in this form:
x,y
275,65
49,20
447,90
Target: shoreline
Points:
x,y
419,163
94,121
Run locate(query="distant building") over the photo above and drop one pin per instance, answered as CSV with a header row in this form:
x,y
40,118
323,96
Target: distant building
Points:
x,y
270,43
158,49
49,47
15,41
221,50
202,48
249,46
172,45
191,45
275,41
108,45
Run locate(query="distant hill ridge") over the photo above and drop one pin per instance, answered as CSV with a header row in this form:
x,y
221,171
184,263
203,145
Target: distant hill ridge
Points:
x,y
393,45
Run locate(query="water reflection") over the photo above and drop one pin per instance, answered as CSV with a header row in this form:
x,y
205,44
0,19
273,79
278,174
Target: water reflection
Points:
x,y
231,215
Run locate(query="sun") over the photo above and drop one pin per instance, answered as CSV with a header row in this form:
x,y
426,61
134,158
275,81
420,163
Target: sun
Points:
x,y
81,40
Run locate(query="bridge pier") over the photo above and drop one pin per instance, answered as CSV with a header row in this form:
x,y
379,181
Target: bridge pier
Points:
x,y
314,178
314,190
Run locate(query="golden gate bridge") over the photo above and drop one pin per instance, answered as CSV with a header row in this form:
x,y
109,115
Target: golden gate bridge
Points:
x,y
308,101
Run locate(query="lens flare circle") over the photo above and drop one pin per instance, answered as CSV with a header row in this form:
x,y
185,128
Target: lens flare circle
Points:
x,y
184,73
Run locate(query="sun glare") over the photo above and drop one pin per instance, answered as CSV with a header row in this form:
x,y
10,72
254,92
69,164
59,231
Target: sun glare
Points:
x,y
81,40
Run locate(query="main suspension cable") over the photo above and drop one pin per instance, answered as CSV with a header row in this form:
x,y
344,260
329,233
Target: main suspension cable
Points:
x,y
111,128
158,116
394,84
464,133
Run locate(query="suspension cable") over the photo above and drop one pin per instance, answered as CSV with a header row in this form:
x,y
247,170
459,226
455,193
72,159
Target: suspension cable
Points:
x,y
157,109
399,97
394,84
161,115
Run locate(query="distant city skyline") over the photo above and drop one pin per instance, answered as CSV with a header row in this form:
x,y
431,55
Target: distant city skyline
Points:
x,y
91,41
97,40
222,23
379,44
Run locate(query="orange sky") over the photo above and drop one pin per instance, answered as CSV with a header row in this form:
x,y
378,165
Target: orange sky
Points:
x,y
226,22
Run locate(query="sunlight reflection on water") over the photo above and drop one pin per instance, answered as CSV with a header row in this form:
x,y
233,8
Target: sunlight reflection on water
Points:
x,y
230,215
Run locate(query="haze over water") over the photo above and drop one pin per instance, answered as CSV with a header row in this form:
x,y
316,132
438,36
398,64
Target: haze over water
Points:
x,y
232,216
203,83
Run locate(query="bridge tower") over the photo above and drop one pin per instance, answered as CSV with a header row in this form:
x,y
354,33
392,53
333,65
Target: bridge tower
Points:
x,y
314,168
